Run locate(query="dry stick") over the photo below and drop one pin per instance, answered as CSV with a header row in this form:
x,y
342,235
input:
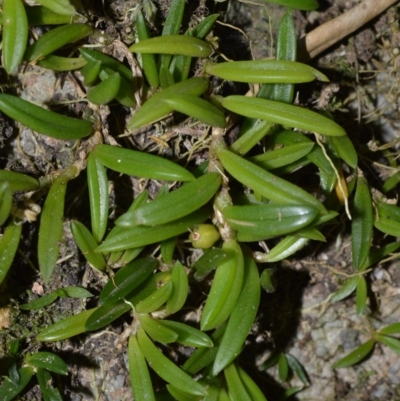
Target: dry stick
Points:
x,y
336,29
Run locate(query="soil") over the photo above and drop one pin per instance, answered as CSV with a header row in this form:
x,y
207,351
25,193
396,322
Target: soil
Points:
x,y
296,319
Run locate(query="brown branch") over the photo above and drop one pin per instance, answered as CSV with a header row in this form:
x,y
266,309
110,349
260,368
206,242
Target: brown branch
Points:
x,y
336,29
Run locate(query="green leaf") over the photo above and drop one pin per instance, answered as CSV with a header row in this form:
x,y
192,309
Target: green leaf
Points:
x,y
155,300
388,219
344,149
283,367
286,247
266,184
49,361
268,280
44,121
148,60
283,156
140,236
74,292
167,248
139,375
91,72
173,21
106,314
51,224
155,108
87,245
188,335
181,395
180,289
393,328
140,164
391,342
236,389
190,198
9,390
41,302
198,108
166,369
225,289
265,71
127,279
173,44
241,318
208,262
15,34
49,393
66,328
345,290
18,181
106,90
297,368
62,7
355,356
8,247
98,196
269,221
5,201
156,330
38,15
286,49
281,113
361,295
253,390
55,39
362,223
306,5
61,64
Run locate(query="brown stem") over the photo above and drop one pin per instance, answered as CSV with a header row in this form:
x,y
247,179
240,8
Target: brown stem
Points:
x,y
336,29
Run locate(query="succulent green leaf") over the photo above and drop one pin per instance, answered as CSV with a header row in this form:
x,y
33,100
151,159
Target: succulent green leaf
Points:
x,y
283,367
49,361
41,302
173,44
15,34
241,318
355,356
298,369
361,295
44,121
305,5
106,314
210,259
73,292
55,39
236,389
268,280
38,15
140,236
156,330
180,289
254,391
155,108
18,181
189,197
87,245
362,223
266,184
60,64
98,196
225,289
155,300
8,247
390,330
265,71
388,220
51,225
66,328
5,201
198,108
140,164
344,149
268,221
391,342
49,393
148,60
166,369
127,279
106,90
141,383
283,156
62,7
181,395
9,390
281,113
345,290
188,335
